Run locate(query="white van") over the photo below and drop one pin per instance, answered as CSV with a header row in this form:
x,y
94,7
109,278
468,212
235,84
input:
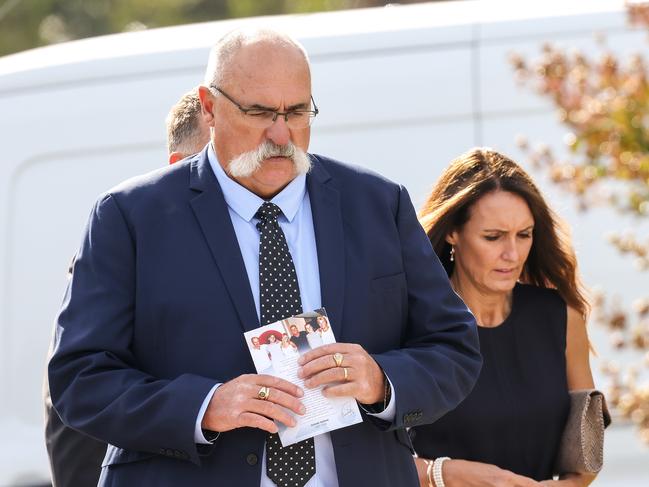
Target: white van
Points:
x,y
401,89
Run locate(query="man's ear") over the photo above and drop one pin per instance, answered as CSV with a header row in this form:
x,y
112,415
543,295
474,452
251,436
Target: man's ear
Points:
x,y
175,157
207,104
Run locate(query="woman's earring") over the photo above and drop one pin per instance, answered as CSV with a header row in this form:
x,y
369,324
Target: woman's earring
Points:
x,y
452,253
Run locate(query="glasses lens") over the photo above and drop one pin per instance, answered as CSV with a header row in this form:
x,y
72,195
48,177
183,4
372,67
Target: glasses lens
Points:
x,y
299,120
259,118
264,118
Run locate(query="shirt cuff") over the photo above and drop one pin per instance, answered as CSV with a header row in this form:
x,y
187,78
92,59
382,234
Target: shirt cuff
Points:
x,y
199,437
389,412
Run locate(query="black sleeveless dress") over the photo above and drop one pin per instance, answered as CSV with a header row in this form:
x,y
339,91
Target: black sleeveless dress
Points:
x,y
515,415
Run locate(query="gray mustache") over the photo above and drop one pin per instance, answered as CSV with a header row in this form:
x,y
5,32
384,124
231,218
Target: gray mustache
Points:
x,y
249,162
270,149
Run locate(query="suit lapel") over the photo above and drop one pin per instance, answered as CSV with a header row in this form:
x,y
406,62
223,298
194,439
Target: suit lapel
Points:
x,y
211,211
330,243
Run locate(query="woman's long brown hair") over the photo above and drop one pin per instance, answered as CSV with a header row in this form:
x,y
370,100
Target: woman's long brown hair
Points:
x,y
551,262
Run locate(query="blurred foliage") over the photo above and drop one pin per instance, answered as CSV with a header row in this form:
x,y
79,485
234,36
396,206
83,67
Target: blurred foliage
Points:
x,y
606,106
25,24
604,103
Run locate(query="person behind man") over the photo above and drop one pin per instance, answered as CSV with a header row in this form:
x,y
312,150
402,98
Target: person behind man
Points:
x,y
176,265
75,458
186,132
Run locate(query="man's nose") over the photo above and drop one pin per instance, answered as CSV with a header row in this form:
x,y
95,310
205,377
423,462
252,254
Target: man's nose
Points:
x,y
279,132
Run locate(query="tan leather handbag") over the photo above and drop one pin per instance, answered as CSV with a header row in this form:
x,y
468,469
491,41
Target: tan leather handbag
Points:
x,y
582,444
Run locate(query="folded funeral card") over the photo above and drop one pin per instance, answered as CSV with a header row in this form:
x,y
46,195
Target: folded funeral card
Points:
x,y
275,349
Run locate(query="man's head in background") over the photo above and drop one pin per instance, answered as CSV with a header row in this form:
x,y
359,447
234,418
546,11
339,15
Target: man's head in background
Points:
x,y
187,133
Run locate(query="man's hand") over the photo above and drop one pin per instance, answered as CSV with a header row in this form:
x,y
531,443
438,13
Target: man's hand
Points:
x,y
365,379
236,404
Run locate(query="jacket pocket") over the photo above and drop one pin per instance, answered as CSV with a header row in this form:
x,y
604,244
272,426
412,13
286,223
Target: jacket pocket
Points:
x,y
116,456
387,283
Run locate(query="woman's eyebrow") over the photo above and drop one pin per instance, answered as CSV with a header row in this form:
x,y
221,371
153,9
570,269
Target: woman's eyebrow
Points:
x,y
530,227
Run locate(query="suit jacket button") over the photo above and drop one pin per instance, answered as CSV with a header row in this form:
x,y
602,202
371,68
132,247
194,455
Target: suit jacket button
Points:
x,y
251,459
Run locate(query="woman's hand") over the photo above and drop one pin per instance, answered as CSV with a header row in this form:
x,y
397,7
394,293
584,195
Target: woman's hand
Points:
x,y
570,480
462,473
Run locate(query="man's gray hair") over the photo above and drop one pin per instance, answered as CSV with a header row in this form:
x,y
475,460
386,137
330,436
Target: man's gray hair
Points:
x,y
184,130
219,63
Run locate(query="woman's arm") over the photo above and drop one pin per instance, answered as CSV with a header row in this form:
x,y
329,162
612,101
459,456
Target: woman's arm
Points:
x,y
577,352
579,377
462,473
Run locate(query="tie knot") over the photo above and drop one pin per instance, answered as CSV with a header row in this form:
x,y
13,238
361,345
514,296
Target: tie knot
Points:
x,y
268,212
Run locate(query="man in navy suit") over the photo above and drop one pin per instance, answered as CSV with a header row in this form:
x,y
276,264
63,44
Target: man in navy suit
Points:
x,y
149,350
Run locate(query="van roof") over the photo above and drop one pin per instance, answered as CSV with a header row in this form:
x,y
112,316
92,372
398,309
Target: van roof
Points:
x,y
439,22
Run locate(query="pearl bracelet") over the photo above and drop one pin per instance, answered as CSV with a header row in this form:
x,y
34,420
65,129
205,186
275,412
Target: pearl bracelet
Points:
x,y
437,471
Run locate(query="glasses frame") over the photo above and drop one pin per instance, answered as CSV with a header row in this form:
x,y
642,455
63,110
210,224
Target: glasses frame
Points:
x,y
313,113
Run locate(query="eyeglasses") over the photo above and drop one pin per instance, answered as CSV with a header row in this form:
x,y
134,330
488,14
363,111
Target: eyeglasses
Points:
x,y
262,117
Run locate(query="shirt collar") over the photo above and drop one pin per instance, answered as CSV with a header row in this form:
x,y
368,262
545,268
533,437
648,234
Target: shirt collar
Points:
x,y
246,203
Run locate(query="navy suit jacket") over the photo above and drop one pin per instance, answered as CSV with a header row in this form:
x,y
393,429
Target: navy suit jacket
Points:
x,y
159,299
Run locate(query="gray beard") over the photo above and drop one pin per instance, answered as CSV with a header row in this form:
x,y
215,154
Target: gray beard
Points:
x,y
246,164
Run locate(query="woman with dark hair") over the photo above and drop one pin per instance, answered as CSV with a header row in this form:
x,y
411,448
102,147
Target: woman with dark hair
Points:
x,y
510,259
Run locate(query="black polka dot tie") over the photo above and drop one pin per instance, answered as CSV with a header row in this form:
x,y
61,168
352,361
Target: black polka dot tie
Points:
x,y
279,295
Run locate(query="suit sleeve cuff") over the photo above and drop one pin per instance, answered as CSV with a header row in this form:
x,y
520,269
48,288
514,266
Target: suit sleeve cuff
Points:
x,y
389,412
199,437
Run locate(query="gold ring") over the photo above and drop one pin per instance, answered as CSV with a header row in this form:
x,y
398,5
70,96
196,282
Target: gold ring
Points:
x,y
264,393
338,358
346,374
